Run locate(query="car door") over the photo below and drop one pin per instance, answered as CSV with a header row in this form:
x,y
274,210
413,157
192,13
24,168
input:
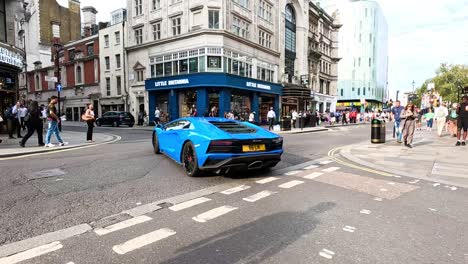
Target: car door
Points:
x,y
170,139
104,118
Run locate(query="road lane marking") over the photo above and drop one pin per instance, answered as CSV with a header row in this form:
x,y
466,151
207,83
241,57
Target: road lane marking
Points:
x,y
331,169
350,229
332,152
290,184
311,167
143,240
258,196
235,189
436,184
433,210
378,199
413,182
383,190
390,183
122,225
267,180
313,175
365,211
32,253
325,162
328,254
291,173
214,213
188,204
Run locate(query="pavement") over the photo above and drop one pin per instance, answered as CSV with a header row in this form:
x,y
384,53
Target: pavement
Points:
x,y
432,158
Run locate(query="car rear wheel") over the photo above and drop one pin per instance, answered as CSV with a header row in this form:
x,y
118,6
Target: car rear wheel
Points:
x,y
190,160
156,144
115,124
98,123
131,125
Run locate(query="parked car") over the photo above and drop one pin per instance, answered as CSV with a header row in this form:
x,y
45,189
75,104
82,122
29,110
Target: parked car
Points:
x,y
115,119
217,145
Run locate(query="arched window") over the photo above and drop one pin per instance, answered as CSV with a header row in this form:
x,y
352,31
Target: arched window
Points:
x,y
290,41
38,84
78,74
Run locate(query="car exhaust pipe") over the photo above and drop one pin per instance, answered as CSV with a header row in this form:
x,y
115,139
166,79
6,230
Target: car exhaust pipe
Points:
x,y
255,165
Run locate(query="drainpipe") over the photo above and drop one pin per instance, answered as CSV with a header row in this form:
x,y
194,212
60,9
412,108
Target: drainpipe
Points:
x,y
126,105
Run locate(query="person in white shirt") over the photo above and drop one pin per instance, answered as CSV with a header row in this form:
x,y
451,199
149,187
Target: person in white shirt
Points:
x,y
441,114
271,116
157,114
252,117
294,118
16,120
23,111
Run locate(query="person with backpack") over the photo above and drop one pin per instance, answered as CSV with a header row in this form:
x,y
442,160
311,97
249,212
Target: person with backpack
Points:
x,y
34,123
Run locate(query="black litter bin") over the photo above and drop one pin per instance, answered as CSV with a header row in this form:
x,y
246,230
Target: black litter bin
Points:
x,y
378,131
285,124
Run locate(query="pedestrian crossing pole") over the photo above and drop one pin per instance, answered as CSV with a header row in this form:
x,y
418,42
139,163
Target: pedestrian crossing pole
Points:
x,y
58,48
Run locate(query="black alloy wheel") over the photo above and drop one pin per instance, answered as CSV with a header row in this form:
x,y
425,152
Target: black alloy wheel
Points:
x,y
190,160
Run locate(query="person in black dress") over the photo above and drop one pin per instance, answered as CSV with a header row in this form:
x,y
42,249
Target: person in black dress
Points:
x,y
34,124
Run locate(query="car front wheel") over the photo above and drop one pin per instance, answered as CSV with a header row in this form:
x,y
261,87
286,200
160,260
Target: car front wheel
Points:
x,y
156,149
190,160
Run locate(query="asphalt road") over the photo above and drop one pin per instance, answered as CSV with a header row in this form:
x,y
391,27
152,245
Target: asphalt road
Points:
x,y
343,216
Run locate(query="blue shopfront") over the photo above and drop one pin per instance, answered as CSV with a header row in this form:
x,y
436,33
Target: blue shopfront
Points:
x,y
212,93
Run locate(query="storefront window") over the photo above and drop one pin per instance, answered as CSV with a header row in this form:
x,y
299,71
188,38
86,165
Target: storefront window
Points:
x,y
265,104
187,101
175,67
242,69
235,67
240,105
202,64
167,69
159,70
193,62
183,66
214,62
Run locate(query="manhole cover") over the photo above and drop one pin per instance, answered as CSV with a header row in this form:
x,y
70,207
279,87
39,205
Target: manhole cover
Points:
x,y
45,174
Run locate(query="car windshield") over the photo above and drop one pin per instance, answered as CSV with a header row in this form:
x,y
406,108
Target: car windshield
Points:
x,y
233,127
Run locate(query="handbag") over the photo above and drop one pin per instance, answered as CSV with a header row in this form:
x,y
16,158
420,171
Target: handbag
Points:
x,y
84,117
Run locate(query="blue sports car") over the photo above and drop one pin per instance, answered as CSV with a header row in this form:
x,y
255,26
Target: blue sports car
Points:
x,y
217,145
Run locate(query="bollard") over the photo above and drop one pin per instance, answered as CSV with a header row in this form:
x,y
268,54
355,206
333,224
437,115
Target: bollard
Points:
x,y
378,131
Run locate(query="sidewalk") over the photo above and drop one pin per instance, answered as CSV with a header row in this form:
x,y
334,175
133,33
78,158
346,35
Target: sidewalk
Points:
x,y
11,148
431,158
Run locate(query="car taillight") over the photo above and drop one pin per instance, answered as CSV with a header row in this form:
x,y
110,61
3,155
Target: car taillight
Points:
x,y
221,143
222,146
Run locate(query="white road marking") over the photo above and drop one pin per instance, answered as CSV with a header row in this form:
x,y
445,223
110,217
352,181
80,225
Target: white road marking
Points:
x,y
390,183
378,199
350,229
313,175
436,184
143,240
331,169
397,176
122,225
383,190
188,204
413,182
365,211
325,162
59,179
267,180
290,184
71,262
138,203
292,173
32,253
212,214
235,189
326,253
311,167
453,188
433,210
258,196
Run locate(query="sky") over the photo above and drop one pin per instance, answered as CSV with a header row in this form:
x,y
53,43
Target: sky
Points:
x,y
422,35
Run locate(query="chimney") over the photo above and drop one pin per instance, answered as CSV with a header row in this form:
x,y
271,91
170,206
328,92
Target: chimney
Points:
x,y
89,16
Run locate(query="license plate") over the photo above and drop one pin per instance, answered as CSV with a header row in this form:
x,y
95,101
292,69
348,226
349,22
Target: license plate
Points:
x,y
251,148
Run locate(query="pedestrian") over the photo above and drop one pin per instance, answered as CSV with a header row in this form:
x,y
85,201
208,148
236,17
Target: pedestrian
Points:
x,y
408,118
157,115
52,124
34,123
89,118
452,122
23,111
271,116
16,120
252,117
294,118
429,116
441,118
396,113
462,121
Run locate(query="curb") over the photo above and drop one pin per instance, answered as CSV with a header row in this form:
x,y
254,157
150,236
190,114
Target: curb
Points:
x,y
50,150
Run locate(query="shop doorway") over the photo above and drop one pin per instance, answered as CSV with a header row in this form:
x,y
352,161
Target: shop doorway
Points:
x,y
187,102
213,103
265,103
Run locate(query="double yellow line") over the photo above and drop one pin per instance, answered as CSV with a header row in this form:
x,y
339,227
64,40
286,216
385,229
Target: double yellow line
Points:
x,y
332,155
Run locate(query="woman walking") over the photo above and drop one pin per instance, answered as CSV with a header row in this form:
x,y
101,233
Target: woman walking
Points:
x,y
408,118
453,120
34,123
441,118
429,116
89,118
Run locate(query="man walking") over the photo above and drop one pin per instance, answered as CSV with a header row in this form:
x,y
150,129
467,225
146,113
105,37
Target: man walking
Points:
x,y
157,114
396,112
16,120
441,114
52,124
462,121
271,116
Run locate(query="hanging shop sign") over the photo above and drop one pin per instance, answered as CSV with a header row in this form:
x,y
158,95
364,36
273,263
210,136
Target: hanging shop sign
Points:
x,y
10,57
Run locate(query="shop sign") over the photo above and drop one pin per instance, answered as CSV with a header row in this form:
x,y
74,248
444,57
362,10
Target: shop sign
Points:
x,y
258,85
10,57
171,82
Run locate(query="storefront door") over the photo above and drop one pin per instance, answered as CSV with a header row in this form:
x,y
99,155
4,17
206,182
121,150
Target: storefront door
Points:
x,y
187,102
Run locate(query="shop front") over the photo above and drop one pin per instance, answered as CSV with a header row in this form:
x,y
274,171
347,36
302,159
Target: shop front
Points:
x,y
359,106
11,63
205,94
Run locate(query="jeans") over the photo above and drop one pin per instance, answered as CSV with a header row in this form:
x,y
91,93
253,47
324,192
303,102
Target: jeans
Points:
x,y
430,122
52,128
398,130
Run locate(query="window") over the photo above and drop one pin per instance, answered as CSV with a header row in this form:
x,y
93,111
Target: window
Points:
x,y
370,62
240,27
106,41
213,19
140,75
3,28
38,83
265,10
156,4
264,39
244,3
358,91
78,75
138,7
117,61
359,62
117,38
139,35
118,79
71,54
342,92
328,88
214,62
176,28
107,61
364,91
90,49
55,30
156,31
108,87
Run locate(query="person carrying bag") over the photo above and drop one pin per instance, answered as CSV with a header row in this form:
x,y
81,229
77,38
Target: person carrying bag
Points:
x,y
89,118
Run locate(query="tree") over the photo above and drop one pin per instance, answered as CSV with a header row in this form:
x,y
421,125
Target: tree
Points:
x,y
450,80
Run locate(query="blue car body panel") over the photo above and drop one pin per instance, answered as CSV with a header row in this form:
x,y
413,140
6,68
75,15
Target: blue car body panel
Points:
x,y
201,132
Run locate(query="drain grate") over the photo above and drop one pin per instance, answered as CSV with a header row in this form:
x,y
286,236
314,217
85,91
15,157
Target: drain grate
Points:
x,y
110,220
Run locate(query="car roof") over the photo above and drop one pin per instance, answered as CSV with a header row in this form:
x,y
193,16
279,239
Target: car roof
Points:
x,y
207,119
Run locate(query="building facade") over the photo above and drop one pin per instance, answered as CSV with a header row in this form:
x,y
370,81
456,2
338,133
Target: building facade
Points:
x,y
112,64
209,55
12,55
363,70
